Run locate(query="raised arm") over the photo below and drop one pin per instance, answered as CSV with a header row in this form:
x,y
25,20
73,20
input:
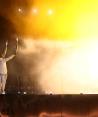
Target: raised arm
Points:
x,y
10,57
13,55
5,51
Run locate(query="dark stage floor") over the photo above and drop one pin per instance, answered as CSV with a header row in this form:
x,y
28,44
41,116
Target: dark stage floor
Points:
x,y
26,104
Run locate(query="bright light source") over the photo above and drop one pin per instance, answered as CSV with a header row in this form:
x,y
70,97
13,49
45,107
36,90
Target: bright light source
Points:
x,y
34,10
50,12
20,10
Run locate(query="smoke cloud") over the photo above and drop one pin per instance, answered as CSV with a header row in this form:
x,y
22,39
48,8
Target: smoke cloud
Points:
x,y
60,67
45,62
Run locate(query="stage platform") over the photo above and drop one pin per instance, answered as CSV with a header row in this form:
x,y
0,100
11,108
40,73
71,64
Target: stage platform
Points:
x,y
24,104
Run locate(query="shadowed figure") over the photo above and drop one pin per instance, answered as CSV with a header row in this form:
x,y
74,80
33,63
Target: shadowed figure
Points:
x,y
3,67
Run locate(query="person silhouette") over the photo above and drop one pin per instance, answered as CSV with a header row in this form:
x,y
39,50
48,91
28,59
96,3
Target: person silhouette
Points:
x,y
3,67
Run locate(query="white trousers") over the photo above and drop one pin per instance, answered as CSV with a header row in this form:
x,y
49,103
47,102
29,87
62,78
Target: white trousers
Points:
x,y
3,78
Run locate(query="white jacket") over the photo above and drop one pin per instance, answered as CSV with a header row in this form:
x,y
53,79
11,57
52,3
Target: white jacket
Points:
x,y
3,66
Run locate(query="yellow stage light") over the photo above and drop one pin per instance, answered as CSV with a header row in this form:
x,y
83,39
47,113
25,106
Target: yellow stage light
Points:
x,y
50,12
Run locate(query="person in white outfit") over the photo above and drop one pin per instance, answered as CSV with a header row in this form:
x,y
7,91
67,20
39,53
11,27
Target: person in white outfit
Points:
x,y
3,67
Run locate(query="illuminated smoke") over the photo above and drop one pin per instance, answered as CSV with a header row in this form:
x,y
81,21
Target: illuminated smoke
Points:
x,y
61,67
37,57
